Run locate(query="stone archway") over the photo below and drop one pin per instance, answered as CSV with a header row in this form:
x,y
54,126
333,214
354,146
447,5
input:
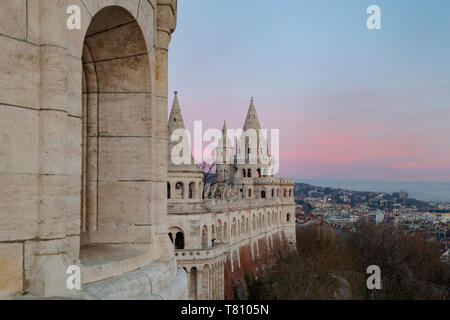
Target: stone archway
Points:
x,y
116,137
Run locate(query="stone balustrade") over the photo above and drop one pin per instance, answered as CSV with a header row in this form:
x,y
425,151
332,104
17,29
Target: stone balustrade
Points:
x,y
201,254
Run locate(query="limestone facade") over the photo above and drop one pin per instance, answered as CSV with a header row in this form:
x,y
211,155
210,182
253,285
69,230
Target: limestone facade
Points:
x,y
212,225
83,140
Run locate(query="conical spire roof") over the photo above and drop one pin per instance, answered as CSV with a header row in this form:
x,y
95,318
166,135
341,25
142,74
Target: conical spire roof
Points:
x,y
175,119
252,122
225,141
176,122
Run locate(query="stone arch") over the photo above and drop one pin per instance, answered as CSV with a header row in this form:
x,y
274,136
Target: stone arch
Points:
x,y
193,295
263,194
225,231
247,231
116,141
179,190
192,191
168,190
179,241
219,231
205,237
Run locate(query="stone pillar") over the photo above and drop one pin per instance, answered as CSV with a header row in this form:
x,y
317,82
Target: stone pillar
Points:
x,y
165,25
59,157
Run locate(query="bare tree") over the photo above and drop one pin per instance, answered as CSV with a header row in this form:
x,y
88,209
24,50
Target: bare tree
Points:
x,y
209,170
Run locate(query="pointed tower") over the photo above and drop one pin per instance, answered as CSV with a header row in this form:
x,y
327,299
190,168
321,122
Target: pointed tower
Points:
x,y
252,122
224,157
175,123
251,144
184,180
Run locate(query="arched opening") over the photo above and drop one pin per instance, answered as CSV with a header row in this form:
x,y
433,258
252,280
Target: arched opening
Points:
x,y
288,217
258,173
205,237
263,194
117,116
284,193
179,190
191,190
244,173
290,193
168,190
249,173
219,231
193,284
179,241
225,231
273,193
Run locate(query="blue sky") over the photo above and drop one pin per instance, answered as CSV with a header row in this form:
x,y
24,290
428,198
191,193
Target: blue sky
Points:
x,y
350,102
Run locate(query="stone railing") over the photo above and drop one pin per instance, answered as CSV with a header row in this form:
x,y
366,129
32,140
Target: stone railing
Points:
x,y
218,204
201,254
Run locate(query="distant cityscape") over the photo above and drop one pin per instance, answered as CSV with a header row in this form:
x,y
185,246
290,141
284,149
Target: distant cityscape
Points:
x,y
343,208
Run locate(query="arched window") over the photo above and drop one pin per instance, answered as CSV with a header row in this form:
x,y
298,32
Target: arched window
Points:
x,y
288,217
191,190
244,173
259,173
284,193
290,193
193,284
179,241
225,232
263,194
219,231
249,173
273,193
179,190
205,237
168,190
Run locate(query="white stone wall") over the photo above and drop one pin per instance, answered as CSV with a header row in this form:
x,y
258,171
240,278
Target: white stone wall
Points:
x,y
42,121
